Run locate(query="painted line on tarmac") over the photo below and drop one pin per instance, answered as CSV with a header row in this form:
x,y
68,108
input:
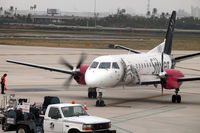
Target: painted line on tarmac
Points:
x,y
151,114
188,68
142,111
128,131
127,101
122,129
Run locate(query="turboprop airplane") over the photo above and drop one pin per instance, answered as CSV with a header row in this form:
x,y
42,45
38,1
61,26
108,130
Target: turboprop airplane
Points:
x,y
151,68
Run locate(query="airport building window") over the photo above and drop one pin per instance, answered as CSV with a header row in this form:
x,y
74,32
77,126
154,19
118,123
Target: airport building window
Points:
x,y
94,65
115,65
104,65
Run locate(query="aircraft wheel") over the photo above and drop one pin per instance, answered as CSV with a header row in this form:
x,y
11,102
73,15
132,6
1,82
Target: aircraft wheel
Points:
x,y
178,98
89,94
97,103
94,94
173,98
102,103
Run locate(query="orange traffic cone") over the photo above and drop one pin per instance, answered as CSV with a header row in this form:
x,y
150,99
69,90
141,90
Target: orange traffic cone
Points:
x,y
85,106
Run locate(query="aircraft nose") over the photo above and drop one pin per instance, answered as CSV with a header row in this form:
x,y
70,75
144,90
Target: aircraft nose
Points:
x,y
100,78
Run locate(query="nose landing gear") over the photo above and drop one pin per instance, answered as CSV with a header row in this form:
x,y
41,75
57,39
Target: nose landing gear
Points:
x,y
92,93
176,97
100,101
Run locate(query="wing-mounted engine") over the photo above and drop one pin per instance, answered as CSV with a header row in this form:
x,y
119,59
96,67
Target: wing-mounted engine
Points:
x,y
80,77
171,78
130,76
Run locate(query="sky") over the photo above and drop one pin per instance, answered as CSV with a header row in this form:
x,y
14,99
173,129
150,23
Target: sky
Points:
x,y
131,6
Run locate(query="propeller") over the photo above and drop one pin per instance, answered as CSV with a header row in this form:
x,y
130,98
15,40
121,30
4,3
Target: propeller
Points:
x,y
162,73
162,78
75,70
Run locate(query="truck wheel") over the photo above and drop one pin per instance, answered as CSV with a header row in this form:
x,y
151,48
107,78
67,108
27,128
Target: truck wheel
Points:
x,y
5,127
74,131
22,129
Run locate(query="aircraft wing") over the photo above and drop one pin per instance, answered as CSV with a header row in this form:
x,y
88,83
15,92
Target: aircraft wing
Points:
x,y
188,79
150,82
41,67
184,79
181,58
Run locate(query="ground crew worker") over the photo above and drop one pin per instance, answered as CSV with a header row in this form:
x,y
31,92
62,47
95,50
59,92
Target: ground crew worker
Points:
x,y
3,81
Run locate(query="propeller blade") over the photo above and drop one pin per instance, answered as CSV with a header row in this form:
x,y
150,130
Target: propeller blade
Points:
x,y
67,83
81,60
162,62
64,62
162,85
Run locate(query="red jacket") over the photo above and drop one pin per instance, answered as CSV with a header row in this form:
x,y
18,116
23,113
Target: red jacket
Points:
x,y
3,80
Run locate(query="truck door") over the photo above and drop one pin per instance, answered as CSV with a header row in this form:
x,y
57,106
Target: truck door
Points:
x,y
53,123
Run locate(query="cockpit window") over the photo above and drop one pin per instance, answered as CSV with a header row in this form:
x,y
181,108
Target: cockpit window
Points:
x,y
104,65
94,65
115,65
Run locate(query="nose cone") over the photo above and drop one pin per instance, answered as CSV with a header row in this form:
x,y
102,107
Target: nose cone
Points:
x,y
100,78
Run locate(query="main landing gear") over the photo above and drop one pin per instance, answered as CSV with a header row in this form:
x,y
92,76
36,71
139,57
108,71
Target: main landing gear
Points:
x,y
176,97
92,93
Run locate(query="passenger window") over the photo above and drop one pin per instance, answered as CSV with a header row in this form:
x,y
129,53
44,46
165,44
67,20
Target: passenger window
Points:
x,y
94,65
115,65
104,65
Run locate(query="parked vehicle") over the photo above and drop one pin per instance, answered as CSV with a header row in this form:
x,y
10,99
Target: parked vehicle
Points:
x,y
52,117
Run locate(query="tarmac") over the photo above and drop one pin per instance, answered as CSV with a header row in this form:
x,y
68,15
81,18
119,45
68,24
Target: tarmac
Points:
x,y
138,109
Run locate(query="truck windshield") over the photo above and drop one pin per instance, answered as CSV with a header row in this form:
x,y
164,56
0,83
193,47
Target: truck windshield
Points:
x,y
73,111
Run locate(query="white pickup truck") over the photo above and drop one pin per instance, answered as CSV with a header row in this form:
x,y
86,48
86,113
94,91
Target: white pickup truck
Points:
x,y
72,118
58,118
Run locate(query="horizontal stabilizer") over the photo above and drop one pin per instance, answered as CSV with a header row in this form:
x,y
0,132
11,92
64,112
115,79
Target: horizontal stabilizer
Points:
x,y
125,48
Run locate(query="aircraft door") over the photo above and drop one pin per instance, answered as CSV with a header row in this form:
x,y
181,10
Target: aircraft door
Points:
x,y
54,122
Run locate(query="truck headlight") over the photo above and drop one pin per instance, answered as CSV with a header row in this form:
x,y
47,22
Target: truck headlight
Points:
x,y
87,127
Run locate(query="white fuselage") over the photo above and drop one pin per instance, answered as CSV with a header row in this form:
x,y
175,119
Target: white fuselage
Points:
x,y
126,69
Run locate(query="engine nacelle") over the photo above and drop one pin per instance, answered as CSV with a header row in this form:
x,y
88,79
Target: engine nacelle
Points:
x,y
80,78
171,81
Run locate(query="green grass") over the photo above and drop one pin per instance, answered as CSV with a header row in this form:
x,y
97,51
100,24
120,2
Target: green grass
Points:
x,y
181,41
